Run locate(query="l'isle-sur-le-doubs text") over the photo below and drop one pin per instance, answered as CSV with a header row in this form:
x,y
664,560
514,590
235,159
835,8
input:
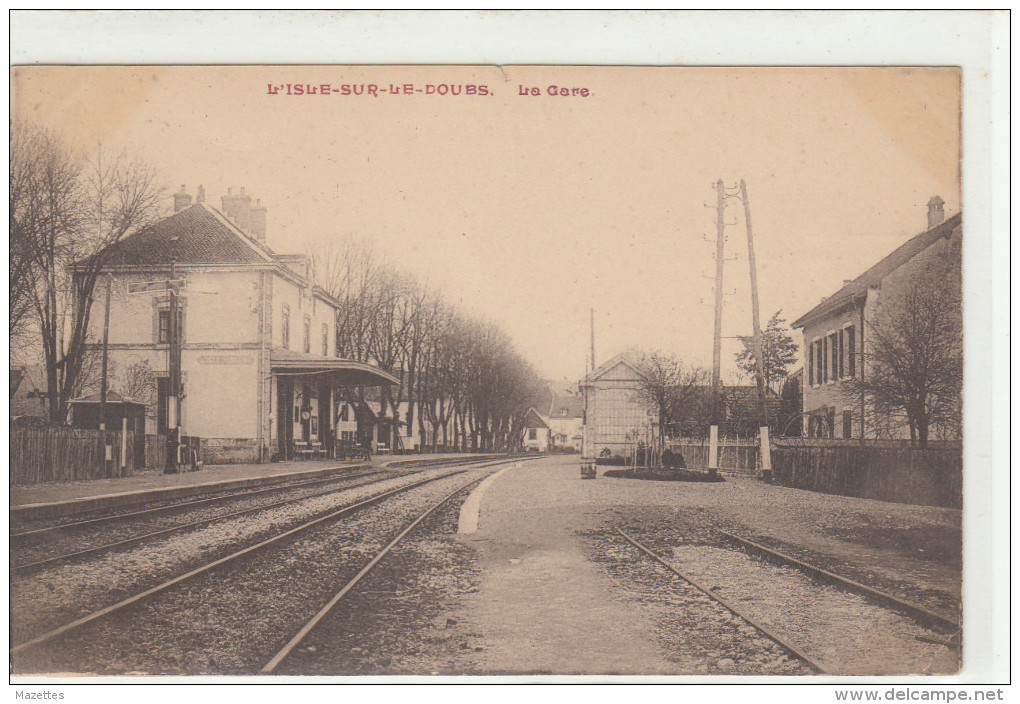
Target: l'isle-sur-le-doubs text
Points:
x,y
376,90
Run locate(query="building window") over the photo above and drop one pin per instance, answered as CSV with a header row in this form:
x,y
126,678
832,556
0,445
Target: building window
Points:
x,y
325,340
285,328
842,348
532,433
308,335
163,325
825,359
851,351
811,364
818,362
848,424
834,356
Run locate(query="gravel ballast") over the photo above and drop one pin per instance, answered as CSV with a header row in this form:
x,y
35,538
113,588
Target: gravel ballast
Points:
x,y
233,619
49,598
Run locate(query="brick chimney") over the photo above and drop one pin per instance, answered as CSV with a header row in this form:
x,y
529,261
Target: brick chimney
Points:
x,y
182,200
200,196
238,209
258,221
936,215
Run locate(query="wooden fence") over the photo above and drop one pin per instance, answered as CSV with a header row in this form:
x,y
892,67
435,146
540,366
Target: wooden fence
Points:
x,y
889,470
736,455
155,452
66,454
930,477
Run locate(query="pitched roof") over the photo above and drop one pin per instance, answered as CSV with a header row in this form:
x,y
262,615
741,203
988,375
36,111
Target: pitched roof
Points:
x,y
16,376
533,419
204,235
571,403
111,397
623,358
897,258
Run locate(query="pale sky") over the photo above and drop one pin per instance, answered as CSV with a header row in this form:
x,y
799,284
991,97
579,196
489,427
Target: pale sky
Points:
x,y
528,210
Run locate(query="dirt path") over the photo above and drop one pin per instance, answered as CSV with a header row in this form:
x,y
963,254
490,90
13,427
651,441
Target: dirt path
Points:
x,y
541,606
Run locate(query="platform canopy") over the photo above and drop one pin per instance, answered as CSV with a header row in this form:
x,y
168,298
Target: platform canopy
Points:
x,y
343,372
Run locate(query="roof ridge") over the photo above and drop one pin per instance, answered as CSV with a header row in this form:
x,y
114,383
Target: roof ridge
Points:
x,y
260,248
932,234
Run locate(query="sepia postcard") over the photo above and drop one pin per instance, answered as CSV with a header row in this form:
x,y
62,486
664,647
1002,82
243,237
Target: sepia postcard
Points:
x,y
521,370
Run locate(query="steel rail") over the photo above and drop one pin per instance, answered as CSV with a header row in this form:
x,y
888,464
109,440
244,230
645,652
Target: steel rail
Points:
x,y
915,611
286,650
772,635
99,549
189,504
106,611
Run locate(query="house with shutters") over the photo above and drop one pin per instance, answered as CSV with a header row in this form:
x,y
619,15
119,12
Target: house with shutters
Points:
x,y
259,373
836,334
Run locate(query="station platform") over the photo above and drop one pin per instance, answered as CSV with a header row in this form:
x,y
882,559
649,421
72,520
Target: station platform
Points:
x,y
66,498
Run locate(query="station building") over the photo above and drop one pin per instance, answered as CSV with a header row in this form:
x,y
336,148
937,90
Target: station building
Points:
x,y
260,376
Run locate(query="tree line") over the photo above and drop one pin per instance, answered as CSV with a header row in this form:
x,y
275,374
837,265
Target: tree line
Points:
x,y
465,384
461,383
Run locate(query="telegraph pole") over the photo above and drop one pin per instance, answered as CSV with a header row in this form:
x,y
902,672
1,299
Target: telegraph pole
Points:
x,y
593,339
107,450
713,439
174,400
763,426
756,322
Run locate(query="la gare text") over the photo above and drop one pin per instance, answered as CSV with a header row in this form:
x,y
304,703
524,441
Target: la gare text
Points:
x,y
376,90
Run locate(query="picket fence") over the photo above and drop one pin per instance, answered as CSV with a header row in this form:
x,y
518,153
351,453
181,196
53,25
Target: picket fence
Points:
x,y
66,454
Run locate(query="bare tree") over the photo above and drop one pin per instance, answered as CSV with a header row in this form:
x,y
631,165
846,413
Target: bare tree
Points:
x,y
670,387
915,352
70,211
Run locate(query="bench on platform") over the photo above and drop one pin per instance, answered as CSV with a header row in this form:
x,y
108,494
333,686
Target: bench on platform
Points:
x,y
308,450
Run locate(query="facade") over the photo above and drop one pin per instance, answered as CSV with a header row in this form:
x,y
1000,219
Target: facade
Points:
x,y
615,417
565,419
836,334
258,368
536,432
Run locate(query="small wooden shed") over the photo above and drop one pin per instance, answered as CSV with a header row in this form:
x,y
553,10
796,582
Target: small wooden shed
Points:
x,y
85,414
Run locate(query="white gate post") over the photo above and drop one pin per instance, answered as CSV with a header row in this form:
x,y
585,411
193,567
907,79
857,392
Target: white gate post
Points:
x,y
713,448
766,452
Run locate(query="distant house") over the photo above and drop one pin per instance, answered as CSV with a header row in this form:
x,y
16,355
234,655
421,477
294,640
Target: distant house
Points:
x,y
536,432
28,392
565,418
616,417
836,334
261,379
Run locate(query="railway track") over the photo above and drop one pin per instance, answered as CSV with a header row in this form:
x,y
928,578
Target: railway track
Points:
x,y
917,612
41,527
30,565
295,641
56,637
770,633
800,617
